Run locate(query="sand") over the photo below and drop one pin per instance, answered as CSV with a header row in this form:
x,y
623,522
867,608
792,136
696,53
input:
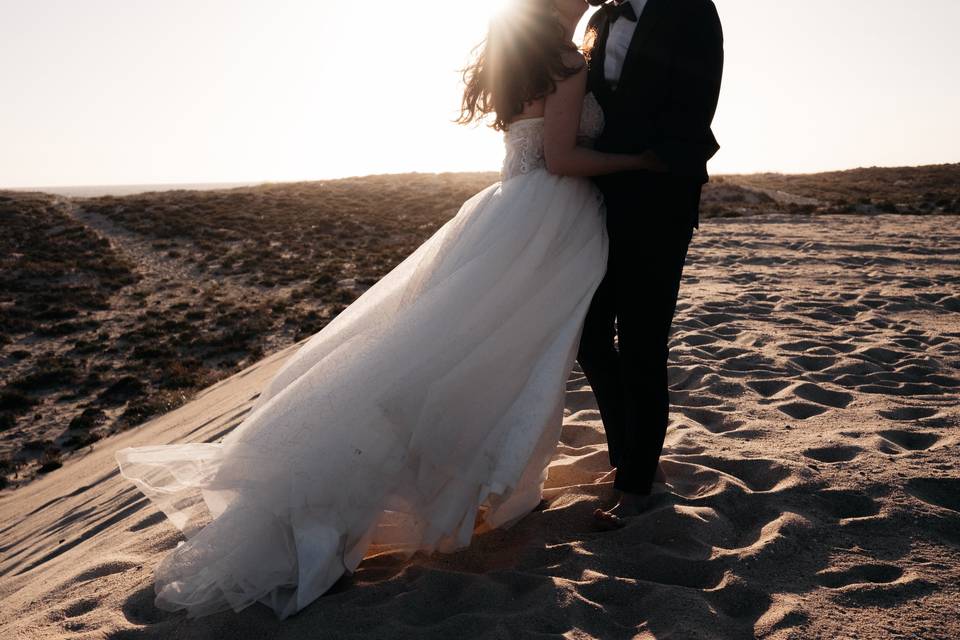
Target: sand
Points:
x,y
814,487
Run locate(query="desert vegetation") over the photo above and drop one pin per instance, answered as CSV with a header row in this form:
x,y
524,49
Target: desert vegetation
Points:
x,y
113,310
116,309
57,283
933,189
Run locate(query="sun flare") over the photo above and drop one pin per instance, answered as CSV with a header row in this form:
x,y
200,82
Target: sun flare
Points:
x,y
276,91
492,8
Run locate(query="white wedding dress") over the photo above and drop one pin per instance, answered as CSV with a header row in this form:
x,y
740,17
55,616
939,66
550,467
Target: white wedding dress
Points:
x,y
435,397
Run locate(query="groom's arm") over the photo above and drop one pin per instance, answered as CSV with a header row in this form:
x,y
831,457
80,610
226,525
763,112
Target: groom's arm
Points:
x,y
684,141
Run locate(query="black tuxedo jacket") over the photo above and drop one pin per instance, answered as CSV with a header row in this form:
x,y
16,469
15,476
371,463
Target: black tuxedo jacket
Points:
x,y
667,93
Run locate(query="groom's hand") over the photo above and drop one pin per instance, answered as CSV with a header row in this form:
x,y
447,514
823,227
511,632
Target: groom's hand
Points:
x,y
650,161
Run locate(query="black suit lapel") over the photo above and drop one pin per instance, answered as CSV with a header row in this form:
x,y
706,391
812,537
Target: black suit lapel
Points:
x,y
645,26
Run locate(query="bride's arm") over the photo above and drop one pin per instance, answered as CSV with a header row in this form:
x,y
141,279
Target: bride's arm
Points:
x,y
561,122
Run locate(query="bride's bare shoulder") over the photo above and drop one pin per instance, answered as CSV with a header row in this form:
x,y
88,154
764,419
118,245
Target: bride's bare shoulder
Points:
x,y
574,59
574,82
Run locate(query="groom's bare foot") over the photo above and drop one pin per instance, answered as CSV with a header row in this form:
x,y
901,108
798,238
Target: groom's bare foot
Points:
x,y
629,505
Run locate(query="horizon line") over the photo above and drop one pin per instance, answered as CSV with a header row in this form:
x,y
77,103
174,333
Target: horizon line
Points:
x,y
226,184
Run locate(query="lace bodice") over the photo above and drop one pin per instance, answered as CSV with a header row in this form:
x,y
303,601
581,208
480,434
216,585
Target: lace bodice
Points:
x,y
524,139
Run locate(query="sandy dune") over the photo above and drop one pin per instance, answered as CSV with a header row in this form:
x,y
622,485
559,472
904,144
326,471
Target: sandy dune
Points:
x,y
813,463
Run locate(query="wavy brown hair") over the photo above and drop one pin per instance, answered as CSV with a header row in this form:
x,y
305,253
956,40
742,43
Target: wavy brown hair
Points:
x,y
519,61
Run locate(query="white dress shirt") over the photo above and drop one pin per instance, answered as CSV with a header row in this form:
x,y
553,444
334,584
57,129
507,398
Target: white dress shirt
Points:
x,y
618,41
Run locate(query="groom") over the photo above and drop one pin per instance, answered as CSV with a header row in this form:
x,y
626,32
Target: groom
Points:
x,y
655,68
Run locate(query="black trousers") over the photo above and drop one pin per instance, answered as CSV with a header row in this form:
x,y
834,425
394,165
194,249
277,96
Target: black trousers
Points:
x,y
650,221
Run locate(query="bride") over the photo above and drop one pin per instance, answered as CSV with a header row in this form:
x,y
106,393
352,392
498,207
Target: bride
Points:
x,y
430,407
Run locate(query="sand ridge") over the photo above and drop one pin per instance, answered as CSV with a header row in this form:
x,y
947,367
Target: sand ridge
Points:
x,y
812,457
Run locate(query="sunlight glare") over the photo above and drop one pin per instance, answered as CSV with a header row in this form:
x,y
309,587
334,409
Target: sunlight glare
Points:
x,y
492,8
301,89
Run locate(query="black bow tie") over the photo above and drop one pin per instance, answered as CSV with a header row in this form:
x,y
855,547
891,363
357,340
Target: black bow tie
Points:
x,y
622,10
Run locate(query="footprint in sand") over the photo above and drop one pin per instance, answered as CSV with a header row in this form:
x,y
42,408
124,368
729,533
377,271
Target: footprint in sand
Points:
x,y
728,331
816,393
948,348
139,609
738,599
951,304
105,569
698,339
871,585
577,400
577,466
866,573
908,413
835,453
799,346
684,447
813,363
843,504
939,492
911,440
581,435
839,347
727,388
825,315
757,474
767,388
894,388
687,378
685,399
882,355
750,364
714,319
846,311
745,278
801,410
713,421
77,608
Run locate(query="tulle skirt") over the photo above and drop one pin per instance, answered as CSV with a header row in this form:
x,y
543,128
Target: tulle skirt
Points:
x,y
435,398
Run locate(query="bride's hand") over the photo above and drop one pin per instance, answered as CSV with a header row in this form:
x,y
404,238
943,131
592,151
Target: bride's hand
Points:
x,y
649,161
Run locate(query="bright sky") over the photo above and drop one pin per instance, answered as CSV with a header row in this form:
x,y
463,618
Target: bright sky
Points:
x,y
165,91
